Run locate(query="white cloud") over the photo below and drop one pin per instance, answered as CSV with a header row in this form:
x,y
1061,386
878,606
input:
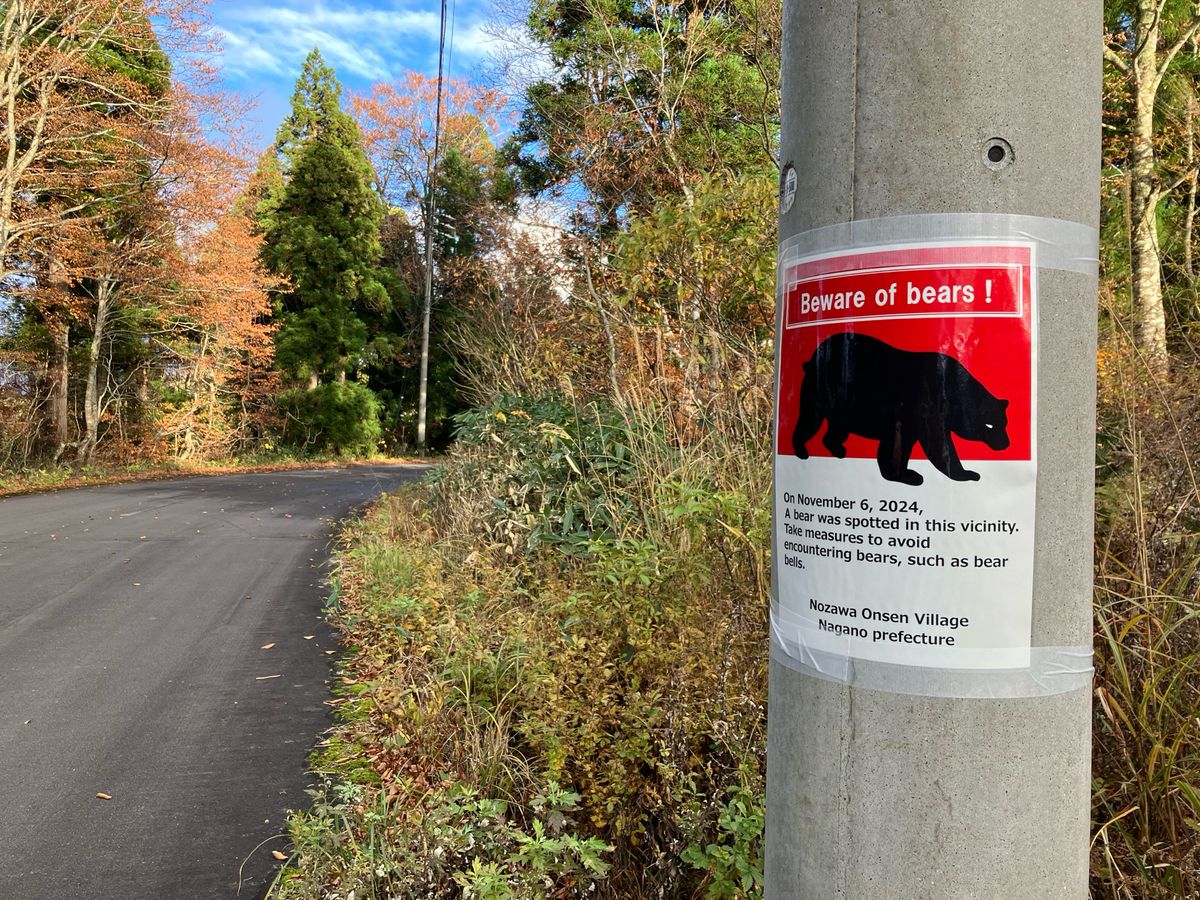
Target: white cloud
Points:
x,y
242,57
271,38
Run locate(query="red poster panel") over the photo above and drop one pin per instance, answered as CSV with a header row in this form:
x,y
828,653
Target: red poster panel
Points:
x,y
970,303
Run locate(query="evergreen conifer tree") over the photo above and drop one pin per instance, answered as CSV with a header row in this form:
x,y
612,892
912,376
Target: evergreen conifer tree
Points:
x,y
326,242
322,238
316,104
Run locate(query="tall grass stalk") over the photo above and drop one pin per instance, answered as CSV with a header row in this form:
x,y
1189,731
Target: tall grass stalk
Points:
x,y
1146,767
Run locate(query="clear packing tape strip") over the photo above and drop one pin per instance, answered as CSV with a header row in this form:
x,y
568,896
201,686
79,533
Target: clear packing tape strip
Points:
x,y
1061,245
1052,670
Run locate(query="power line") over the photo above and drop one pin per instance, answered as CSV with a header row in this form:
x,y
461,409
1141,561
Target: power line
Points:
x,y
437,119
450,43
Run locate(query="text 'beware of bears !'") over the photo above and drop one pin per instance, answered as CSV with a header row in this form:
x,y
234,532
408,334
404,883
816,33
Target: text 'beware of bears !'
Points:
x,y
913,295
985,289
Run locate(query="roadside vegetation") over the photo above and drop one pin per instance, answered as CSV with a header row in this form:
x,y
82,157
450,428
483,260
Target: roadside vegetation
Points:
x,y
1146,757
555,677
559,679
555,681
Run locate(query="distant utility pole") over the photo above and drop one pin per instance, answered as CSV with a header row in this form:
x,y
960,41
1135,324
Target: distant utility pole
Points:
x,y
430,201
930,681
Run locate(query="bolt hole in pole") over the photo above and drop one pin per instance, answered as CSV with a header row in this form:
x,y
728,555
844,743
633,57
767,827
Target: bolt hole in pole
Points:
x,y
997,154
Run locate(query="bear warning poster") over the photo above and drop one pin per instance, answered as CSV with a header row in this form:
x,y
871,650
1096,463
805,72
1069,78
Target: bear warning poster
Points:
x,y
905,466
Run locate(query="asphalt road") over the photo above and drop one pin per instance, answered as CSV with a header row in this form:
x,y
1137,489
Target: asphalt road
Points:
x,y
132,622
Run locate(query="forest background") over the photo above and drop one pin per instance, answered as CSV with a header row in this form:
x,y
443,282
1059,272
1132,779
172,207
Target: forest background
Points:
x,y
536,707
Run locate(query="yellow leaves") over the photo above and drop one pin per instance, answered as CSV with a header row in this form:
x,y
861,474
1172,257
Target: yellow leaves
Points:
x,y
100,795
267,646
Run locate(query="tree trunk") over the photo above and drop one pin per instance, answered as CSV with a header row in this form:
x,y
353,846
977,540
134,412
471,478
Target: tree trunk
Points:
x,y
58,372
1147,280
1146,258
91,401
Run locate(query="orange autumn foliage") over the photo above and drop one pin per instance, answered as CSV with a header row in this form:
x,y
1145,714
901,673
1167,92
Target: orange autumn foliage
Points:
x,y
397,121
219,304
117,198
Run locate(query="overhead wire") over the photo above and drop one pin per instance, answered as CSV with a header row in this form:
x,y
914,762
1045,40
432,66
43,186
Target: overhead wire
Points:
x,y
450,43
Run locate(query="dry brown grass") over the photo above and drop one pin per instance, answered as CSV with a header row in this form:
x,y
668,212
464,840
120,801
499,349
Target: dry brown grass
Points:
x,y
1146,752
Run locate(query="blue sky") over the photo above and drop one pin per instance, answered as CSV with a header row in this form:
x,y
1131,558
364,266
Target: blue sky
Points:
x,y
266,41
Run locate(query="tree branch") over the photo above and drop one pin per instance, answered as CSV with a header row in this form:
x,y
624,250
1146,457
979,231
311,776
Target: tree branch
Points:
x,y
1173,51
1111,55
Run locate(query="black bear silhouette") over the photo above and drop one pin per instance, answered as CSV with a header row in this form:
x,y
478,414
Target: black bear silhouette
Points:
x,y
900,398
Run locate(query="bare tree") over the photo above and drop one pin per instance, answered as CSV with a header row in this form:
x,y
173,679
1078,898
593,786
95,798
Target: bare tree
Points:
x,y
1142,48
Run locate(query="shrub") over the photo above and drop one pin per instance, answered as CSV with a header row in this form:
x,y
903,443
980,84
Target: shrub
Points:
x,y
332,418
560,670
532,472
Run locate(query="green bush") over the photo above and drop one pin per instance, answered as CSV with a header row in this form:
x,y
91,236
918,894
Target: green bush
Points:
x,y
557,474
734,861
332,418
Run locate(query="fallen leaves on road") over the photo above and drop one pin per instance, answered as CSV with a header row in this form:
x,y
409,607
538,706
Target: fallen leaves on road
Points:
x,y
278,855
309,637
265,677
267,646
103,796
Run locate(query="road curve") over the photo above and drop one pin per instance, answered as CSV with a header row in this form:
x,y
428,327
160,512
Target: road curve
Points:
x,y
132,622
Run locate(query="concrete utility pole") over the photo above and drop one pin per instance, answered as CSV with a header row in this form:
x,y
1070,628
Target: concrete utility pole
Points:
x,y
431,172
887,783
423,389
